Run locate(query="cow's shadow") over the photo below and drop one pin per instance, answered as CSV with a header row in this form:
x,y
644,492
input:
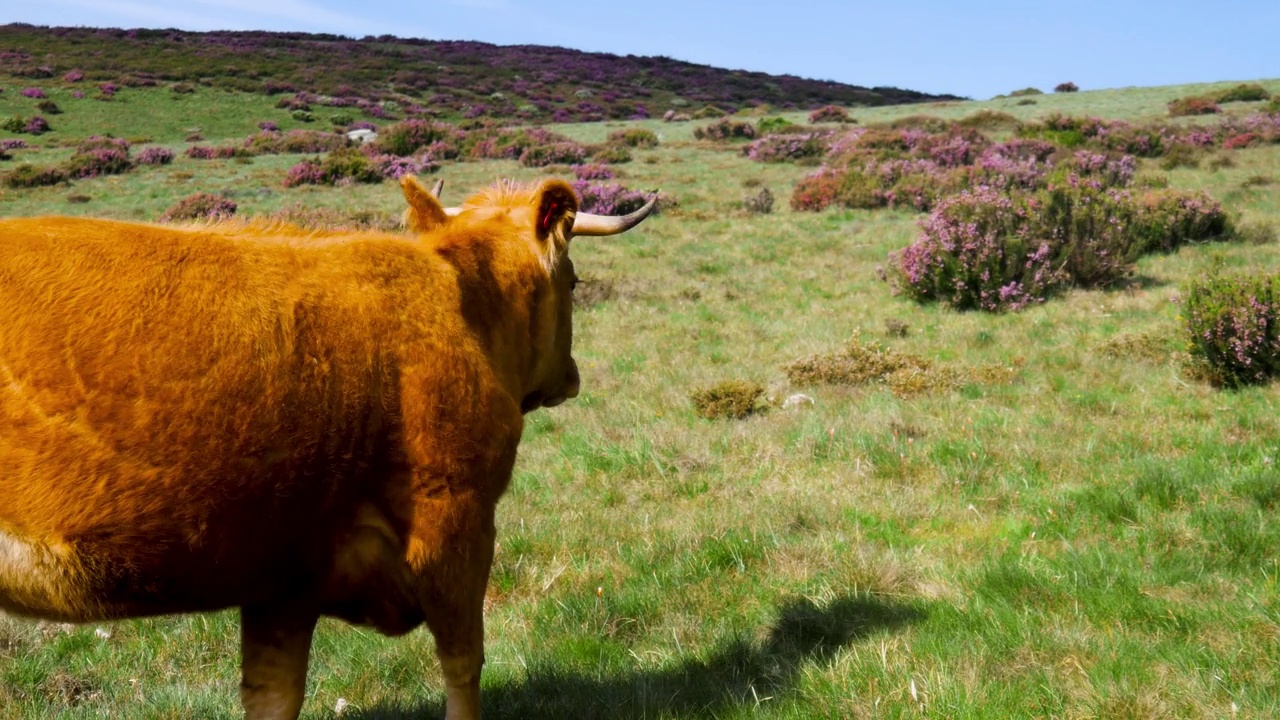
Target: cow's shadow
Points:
x,y
743,672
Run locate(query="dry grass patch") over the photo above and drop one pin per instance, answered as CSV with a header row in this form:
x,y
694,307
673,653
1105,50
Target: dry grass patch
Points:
x,y
1150,346
733,399
906,375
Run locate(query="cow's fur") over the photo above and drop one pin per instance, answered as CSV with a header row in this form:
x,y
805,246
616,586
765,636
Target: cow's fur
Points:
x,y
292,424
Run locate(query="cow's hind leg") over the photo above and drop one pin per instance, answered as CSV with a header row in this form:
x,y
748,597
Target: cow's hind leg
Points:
x,y
275,643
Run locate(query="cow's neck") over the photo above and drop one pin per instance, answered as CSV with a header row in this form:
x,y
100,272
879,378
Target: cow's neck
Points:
x,y
499,303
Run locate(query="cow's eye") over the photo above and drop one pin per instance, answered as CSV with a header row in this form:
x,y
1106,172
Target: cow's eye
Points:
x,y
574,283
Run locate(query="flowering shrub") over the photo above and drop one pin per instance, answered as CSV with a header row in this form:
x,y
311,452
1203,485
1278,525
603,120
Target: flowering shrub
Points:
x,y
1237,142
408,136
1233,328
556,153
34,93
268,126
725,129
218,152
608,198
1066,87
788,147
108,89
155,155
977,251
393,167
593,171
200,206
99,156
348,165
14,144
829,114
73,77
294,142
817,191
1182,107
36,125
987,250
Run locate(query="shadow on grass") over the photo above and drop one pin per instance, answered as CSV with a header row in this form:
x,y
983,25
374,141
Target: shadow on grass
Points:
x,y
733,676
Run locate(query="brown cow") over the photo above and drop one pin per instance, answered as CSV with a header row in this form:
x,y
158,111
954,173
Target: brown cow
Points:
x,y
295,424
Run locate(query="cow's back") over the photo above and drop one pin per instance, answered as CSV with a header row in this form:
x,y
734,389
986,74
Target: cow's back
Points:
x,y
175,399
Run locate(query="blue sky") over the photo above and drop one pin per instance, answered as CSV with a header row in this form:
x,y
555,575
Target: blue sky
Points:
x,y
972,49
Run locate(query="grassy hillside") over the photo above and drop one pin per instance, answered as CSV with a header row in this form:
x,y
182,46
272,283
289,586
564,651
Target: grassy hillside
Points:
x,y
408,76
1079,528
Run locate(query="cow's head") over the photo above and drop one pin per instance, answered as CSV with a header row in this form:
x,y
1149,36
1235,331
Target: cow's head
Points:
x,y
534,226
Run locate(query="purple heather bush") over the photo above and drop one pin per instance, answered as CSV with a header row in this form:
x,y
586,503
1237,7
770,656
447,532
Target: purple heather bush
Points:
x,y
34,93
36,125
77,94
608,198
73,77
14,144
155,155
99,155
788,147
990,250
593,171
200,206
556,153
268,126
109,89
408,136
1233,328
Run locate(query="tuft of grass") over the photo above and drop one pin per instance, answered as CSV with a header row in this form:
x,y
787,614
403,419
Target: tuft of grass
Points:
x,y
734,399
1145,346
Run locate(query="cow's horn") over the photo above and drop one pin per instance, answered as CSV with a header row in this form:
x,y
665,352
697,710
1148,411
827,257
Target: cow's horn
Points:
x,y
437,188
597,225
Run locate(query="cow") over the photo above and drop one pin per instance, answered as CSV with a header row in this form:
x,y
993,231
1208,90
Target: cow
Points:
x,y
292,423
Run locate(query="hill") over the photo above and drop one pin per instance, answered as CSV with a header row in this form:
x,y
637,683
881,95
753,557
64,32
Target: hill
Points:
x,y
445,78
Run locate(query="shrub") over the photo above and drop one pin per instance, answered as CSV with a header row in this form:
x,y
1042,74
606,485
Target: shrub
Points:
x,y
990,251
1244,92
788,147
155,155
709,112
1025,92
1182,107
1066,87
634,137
593,171
725,129
14,124
49,107
608,198
760,203
734,399
829,114
36,125
302,116
610,154
408,136
29,176
816,191
1233,328
199,206
1239,142
349,165
977,251
73,77
310,217
556,153
34,93
295,142
340,120
99,161
182,88
268,126
989,120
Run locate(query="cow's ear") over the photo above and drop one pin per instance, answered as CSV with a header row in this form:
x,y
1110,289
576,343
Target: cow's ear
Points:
x,y
557,205
425,212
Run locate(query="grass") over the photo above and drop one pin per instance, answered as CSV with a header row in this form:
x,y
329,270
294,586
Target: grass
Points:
x,y
1090,535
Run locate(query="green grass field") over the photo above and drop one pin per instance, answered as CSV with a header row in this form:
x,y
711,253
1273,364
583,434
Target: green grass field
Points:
x,y
1092,534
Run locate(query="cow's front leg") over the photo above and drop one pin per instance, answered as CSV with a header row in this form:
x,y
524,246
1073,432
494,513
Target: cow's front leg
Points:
x,y
275,642
454,609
